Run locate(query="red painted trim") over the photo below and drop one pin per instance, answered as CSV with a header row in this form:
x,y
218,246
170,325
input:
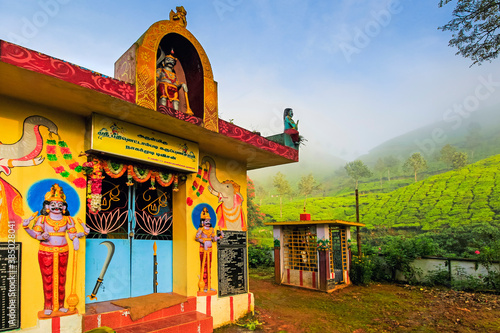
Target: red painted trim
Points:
x,y
301,279
231,307
314,280
288,276
209,306
241,134
56,325
249,302
37,62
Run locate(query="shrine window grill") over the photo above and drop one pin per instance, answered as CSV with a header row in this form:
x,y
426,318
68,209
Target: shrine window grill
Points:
x,y
134,203
299,247
338,253
111,221
153,213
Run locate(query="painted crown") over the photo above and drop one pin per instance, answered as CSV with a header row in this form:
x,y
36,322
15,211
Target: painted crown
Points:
x,y
56,193
204,214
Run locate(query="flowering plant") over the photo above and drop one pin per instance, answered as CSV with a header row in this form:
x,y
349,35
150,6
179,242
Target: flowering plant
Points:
x,y
276,243
95,186
323,245
88,168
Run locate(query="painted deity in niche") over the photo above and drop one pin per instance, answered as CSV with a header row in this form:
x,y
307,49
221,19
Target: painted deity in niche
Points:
x,y
50,229
206,235
168,85
291,127
230,211
23,153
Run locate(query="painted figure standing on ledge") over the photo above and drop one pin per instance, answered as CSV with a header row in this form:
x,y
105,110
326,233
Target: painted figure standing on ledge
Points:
x,y
50,229
291,128
167,84
205,236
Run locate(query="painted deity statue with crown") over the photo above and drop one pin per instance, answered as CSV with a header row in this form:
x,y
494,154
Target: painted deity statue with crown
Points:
x,y
50,229
168,85
206,235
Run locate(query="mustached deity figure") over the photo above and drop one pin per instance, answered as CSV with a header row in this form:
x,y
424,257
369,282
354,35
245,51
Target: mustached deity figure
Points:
x,y
50,229
168,86
206,235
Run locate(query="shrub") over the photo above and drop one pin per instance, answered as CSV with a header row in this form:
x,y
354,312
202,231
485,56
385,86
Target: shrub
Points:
x,y
381,271
260,256
399,252
438,277
466,282
361,270
487,257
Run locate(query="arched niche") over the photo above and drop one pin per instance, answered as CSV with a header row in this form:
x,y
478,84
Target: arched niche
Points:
x,y
195,64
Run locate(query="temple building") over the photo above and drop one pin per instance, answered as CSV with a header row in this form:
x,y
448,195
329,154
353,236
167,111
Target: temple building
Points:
x,y
313,254
123,201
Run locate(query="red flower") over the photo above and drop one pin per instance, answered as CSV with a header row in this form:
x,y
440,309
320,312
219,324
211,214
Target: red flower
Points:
x,y
51,149
96,188
65,151
477,252
72,166
80,182
59,169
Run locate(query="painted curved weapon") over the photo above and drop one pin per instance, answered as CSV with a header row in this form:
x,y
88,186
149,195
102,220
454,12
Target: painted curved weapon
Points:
x,y
111,251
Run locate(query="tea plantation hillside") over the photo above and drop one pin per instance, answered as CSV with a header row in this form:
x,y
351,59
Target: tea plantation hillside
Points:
x,y
466,196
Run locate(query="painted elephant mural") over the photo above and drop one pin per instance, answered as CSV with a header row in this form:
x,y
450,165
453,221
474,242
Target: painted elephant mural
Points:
x,y
23,153
229,212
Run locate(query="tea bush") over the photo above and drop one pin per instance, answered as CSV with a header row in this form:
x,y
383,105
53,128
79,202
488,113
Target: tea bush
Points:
x,y
260,256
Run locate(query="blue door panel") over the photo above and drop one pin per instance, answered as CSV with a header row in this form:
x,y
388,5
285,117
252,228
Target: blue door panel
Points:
x,y
143,263
116,281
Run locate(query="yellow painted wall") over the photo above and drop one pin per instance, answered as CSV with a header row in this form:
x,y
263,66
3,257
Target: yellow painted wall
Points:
x,y
186,268
186,248
220,308
71,130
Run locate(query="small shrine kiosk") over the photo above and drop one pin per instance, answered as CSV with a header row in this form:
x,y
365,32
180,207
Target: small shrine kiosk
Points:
x,y
123,201
312,254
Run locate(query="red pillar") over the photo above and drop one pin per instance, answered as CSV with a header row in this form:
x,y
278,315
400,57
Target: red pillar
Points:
x,y
277,265
324,269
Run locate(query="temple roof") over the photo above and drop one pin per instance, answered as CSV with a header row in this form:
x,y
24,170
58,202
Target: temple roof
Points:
x,y
309,222
32,77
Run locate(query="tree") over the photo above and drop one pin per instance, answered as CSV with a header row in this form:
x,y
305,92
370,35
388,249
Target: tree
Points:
x,y
255,217
380,169
392,164
282,186
474,26
459,160
473,138
446,154
357,170
416,162
307,185
261,192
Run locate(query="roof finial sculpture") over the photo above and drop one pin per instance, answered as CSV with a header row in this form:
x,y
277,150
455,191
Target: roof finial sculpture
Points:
x,y
179,17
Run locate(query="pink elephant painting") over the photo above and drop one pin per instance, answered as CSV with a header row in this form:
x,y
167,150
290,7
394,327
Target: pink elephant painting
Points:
x,y
229,212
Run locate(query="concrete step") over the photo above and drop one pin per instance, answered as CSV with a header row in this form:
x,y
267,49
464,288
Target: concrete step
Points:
x,y
107,314
192,322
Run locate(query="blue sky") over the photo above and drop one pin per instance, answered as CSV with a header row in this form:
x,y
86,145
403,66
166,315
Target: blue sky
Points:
x,y
355,72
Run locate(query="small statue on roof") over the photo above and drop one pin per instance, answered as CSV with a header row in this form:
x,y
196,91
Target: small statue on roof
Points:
x,y
291,127
179,17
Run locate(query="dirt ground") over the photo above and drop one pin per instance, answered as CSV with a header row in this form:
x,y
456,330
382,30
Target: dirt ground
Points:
x,y
374,308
